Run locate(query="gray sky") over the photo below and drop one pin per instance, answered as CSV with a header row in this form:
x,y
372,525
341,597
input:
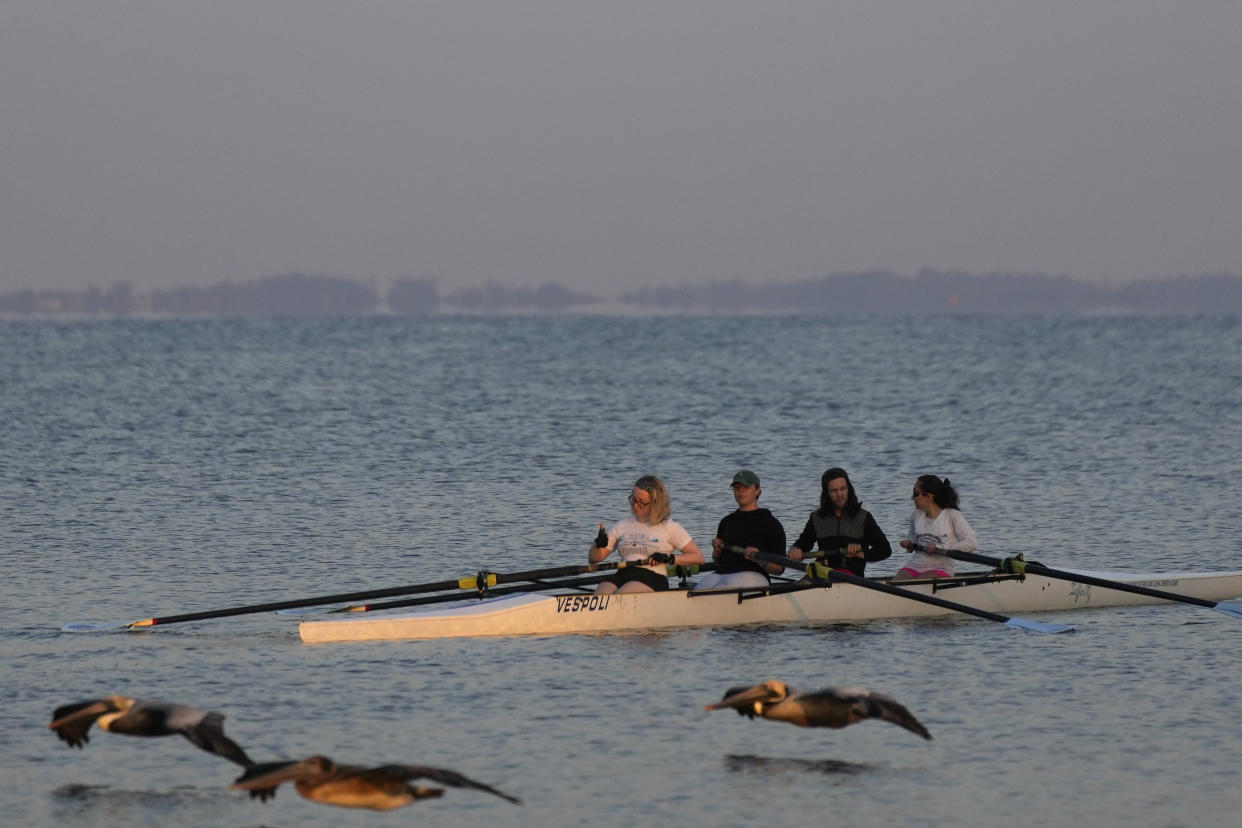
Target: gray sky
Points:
x,y
611,144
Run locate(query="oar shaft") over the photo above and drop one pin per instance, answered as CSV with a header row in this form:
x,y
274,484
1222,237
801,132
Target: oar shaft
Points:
x,y
850,578
1077,577
535,586
491,593
463,583
471,582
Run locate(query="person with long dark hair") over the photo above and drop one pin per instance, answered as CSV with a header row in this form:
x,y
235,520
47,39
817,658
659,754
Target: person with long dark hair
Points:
x,y
649,538
847,534
935,524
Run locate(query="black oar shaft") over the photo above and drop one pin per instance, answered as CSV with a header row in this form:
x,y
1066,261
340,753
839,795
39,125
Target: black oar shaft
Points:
x,y
303,602
491,593
879,586
534,586
1077,577
470,582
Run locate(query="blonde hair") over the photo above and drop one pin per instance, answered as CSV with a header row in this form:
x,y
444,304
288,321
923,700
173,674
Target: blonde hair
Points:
x,y
661,508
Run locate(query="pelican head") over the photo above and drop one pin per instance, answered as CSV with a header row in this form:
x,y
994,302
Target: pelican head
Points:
x,y
751,701
113,708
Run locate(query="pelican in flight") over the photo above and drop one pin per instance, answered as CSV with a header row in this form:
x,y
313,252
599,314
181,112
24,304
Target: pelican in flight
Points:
x,y
134,717
384,788
832,707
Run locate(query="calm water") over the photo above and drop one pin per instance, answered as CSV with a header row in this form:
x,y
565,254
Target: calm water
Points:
x,y
152,468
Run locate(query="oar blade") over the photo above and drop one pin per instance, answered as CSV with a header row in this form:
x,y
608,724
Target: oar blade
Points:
x,y
98,627
1231,608
1037,626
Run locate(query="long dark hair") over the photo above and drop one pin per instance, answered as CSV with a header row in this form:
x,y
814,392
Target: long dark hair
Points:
x,y
941,491
852,504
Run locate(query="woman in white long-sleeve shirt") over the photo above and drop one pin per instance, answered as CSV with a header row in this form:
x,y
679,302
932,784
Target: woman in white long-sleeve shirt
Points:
x,y
935,524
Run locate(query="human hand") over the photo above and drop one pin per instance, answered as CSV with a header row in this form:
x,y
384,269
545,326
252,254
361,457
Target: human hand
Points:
x,y
601,539
663,557
795,553
854,550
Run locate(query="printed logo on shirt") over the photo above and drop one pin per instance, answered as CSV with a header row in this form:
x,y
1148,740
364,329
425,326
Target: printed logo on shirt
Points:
x,y
634,546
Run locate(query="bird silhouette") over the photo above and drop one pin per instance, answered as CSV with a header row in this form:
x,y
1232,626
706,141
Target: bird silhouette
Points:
x,y
135,717
831,707
382,788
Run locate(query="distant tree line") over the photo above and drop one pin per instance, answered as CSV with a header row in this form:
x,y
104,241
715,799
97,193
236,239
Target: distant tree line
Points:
x,y
883,292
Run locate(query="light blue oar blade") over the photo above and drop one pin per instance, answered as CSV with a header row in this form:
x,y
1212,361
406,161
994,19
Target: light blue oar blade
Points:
x,y
1231,608
1037,626
106,625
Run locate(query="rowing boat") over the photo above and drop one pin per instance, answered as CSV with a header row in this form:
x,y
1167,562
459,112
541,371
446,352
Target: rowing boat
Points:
x,y
563,613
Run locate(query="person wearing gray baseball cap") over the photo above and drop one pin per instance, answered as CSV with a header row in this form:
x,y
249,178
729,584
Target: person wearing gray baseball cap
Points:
x,y
751,528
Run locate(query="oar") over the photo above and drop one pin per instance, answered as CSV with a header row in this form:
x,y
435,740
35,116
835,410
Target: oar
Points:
x,y
480,581
491,593
1231,608
879,586
534,586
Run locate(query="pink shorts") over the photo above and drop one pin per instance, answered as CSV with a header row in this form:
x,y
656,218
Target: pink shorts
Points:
x,y
927,573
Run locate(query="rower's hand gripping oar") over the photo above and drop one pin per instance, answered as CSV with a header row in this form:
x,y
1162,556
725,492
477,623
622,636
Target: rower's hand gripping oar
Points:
x,y
1019,566
818,571
481,581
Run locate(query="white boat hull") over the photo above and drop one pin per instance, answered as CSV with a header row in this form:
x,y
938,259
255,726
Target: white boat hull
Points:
x,y
562,614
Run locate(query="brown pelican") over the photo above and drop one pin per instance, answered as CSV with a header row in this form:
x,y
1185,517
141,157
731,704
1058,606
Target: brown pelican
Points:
x,y
134,717
384,788
832,707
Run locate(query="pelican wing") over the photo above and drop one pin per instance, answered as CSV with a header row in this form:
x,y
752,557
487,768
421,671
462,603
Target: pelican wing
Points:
x,y
262,778
442,775
884,707
73,721
263,774
208,734
841,706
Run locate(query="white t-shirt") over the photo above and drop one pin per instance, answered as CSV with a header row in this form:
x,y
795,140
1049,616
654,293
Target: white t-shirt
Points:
x,y
635,541
949,530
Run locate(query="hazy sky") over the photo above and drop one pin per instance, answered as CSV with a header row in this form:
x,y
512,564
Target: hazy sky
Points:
x,y
611,144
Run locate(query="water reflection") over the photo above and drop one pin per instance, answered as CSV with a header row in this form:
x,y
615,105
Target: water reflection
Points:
x,y
735,763
74,802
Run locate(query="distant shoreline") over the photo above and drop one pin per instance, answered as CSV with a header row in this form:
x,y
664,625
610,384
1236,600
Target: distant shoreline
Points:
x,y
862,293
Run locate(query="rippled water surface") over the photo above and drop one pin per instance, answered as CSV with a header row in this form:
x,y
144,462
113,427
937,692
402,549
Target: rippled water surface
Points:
x,y
160,467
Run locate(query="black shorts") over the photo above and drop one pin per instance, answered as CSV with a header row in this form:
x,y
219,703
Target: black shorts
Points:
x,y
641,573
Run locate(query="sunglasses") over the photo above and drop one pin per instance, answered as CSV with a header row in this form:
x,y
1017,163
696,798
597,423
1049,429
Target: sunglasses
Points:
x,y
917,493
636,502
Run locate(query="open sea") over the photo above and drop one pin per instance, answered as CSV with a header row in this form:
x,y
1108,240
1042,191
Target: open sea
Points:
x,y
161,467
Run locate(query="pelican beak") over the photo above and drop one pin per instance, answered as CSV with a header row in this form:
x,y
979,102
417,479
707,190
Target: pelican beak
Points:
x,y
99,708
745,698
